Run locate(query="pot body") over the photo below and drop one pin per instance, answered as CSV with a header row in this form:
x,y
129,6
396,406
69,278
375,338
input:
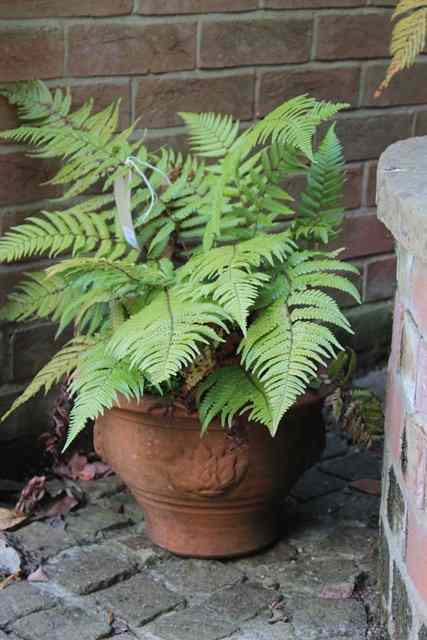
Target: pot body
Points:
x,y
214,496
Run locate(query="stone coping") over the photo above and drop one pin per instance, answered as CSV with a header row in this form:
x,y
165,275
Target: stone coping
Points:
x,y
402,194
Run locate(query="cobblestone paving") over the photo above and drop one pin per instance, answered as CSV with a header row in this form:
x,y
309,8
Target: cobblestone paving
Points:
x,y
106,580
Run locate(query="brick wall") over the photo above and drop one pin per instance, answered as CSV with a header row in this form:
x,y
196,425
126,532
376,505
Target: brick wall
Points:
x,y
240,56
404,510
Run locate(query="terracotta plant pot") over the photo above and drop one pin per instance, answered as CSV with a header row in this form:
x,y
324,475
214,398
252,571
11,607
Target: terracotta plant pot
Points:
x,y
214,496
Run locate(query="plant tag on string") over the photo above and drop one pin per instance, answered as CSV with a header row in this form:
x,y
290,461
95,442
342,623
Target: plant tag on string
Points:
x,y
122,194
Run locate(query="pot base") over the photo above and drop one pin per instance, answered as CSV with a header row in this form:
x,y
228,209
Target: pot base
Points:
x,y
211,533
216,496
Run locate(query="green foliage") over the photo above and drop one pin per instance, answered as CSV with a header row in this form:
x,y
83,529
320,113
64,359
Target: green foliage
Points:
x,y
408,38
61,365
321,203
231,391
218,261
99,382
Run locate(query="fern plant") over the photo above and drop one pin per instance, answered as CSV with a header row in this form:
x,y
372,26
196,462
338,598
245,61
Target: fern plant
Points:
x,y
408,38
219,301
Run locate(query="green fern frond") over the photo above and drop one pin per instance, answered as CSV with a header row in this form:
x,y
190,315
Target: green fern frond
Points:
x,y
80,229
294,123
36,297
60,366
229,392
284,349
166,335
321,203
98,384
212,135
408,38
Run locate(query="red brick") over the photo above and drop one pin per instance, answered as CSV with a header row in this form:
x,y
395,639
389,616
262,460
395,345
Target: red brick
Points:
x,y
29,53
21,178
363,234
312,4
421,388
346,37
8,117
371,191
407,88
14,216
353,186
416,558
103,94
249,42
59,8
365,136
121,49
160,99
340,84
395,414
380,278
418,297
165,7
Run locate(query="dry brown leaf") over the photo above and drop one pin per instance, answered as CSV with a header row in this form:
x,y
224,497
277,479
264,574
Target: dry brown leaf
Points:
x,y
7,581
10,519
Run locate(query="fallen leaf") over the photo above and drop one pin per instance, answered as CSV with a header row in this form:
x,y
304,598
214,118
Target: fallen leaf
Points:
x,y
33,492
38,576
95,470
371,487
10,519
7,581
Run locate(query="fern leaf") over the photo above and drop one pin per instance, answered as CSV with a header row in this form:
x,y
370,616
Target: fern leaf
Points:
x,y
408,38
283,350
98,383
35,297
60,366
166,335
81,229
321,203
212,135
229,392
293,123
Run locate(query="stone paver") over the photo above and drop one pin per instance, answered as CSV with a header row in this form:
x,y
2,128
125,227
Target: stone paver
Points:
x,y
137,600
82,571
200,577
354,466
94,523
42,540
195,623
21,599
113,582
313,576
241,602
314,483
61,624
316,619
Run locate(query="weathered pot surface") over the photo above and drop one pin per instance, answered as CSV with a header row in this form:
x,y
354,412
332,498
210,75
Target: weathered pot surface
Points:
x,y
219,495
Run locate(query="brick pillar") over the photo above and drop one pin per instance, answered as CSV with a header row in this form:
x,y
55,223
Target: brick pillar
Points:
x,y
402,206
